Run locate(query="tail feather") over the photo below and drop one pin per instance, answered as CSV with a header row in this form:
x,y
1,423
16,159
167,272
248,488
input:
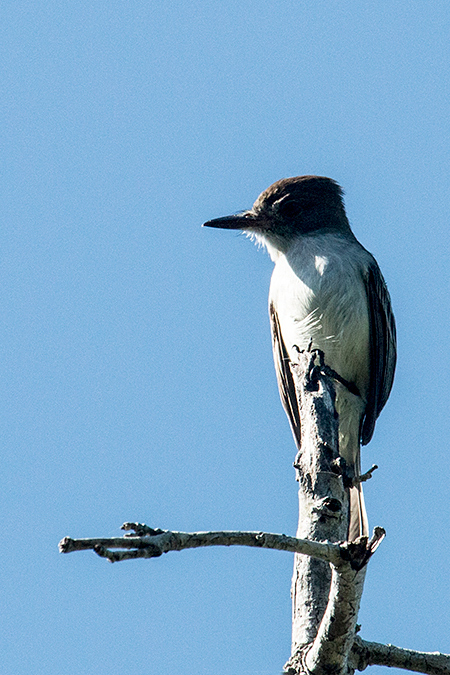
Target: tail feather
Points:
x,y
350,409
358,523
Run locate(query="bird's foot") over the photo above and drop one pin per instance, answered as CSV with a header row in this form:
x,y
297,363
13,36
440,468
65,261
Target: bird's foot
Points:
x,y
140,530
317,366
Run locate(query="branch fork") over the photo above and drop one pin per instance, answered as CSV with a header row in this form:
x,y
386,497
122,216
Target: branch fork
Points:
x,y
328,571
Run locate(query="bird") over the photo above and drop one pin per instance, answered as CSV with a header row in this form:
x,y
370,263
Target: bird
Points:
x,y
326,293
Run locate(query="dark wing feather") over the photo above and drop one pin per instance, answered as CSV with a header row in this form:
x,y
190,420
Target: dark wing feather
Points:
x,y
383,348
285,380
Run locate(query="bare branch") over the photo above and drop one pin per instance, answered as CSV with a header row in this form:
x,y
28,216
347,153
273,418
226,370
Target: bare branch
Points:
x,y
328,577
323,500
326,598
365,654
152,546
334,639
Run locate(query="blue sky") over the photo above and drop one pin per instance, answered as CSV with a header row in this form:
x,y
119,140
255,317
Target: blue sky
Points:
x,y
135,358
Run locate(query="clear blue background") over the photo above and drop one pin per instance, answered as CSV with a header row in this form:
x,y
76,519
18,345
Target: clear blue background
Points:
x,y
135,359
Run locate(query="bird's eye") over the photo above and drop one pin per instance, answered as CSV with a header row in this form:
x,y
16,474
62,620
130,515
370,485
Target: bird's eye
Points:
x,y
289,208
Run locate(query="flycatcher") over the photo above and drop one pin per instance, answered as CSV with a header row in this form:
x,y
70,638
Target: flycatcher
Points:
x,y
326,291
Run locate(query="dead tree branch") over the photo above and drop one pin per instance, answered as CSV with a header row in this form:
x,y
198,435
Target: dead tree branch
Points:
x,y
328,571
154,545
365,654
325,597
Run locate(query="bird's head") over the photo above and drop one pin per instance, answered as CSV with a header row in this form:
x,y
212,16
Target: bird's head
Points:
x,y
289,208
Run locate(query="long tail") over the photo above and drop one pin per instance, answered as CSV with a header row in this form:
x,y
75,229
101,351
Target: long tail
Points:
x,y
358,523
350,409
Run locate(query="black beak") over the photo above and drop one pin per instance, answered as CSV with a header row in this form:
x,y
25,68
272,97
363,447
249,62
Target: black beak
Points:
x,y
237,222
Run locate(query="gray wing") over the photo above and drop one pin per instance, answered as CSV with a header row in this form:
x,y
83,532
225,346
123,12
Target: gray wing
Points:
x,y
383,348
285,380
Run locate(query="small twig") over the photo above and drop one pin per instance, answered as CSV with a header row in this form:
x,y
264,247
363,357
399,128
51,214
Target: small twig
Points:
x,y
365,476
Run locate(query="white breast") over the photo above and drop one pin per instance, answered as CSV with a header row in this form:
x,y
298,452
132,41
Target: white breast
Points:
x,y
318,291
